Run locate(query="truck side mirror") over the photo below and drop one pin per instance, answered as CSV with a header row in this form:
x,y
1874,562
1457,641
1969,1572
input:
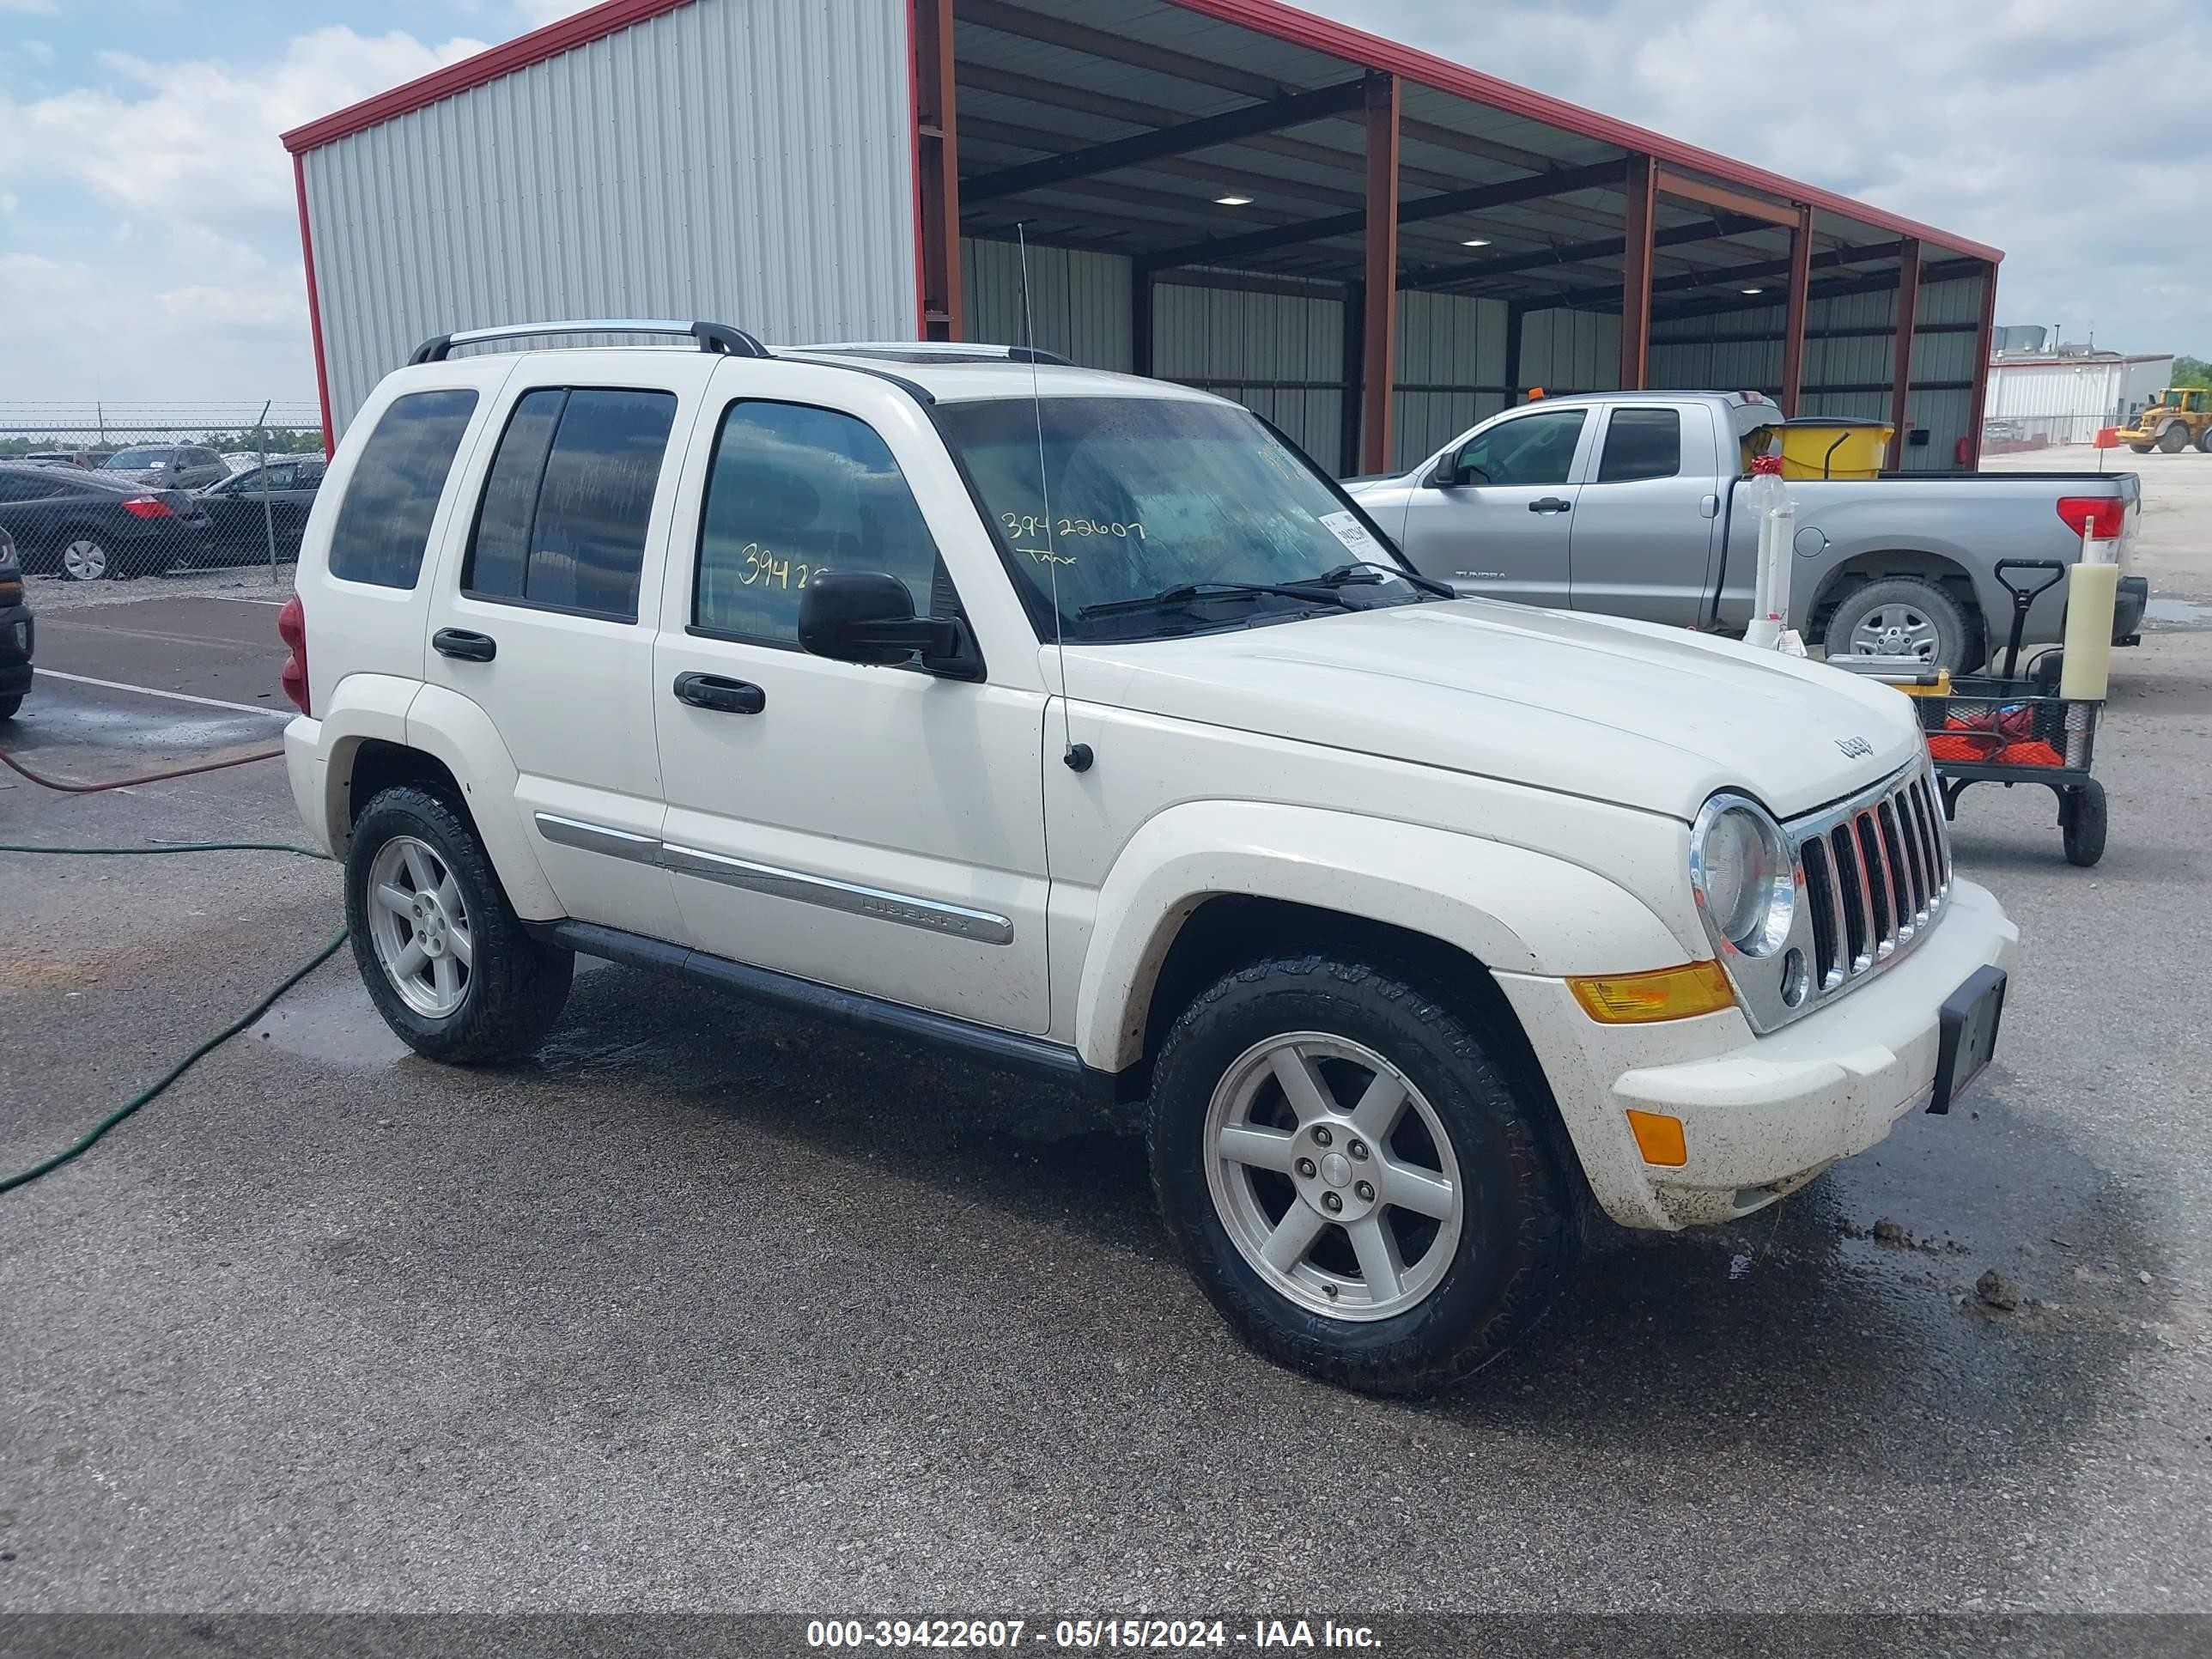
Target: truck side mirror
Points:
x,y
1444,475
867,616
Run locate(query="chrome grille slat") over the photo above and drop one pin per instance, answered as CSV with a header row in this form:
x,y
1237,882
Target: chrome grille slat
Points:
x,y
1874,870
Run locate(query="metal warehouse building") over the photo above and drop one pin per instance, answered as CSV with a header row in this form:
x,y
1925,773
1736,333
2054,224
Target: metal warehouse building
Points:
x,y
1370,246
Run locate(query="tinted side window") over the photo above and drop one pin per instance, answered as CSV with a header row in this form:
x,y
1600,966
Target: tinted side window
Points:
x,y
568,498
1642,443
795,490
15,488
384,519
1532,449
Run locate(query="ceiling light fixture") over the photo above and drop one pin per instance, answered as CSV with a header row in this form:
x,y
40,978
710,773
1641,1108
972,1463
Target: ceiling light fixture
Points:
x,y
1755,290
1476,241
1233,201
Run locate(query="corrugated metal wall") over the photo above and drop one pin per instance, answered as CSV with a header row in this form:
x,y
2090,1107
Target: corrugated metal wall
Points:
x,y
1081,301
1445,341
1683,354
1570,351
744,161
1280,355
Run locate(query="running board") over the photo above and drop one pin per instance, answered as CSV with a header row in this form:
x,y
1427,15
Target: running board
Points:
x,y
1008,1050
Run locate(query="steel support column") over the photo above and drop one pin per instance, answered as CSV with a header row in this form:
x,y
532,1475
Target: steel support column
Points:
x,y
1140,322
1986,334
1793,327
1379,345
937,179
1515,315
1900,377
1641,187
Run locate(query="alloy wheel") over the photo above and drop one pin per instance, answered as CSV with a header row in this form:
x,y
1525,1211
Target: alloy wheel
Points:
x,y
1896,630
419,924
1333,1175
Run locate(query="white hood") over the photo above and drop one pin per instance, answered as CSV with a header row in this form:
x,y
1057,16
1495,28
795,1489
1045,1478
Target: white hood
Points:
x,y
1629,713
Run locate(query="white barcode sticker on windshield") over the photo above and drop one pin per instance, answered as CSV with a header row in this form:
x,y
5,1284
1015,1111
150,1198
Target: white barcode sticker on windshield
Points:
x,y
1347,529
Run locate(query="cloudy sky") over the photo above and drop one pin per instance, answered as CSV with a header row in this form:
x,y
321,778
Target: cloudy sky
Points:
x,y
149,245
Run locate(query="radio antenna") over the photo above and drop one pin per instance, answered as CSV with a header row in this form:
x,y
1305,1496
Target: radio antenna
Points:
x,y
1077,756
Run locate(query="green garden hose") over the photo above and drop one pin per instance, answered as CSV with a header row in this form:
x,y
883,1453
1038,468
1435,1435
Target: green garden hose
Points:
x,y
91,1137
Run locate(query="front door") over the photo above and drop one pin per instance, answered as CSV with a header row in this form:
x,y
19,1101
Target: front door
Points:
x,y
1645,519
880,830
1497,523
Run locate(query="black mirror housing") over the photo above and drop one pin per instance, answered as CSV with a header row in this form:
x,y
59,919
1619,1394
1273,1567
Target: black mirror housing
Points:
x,y
1444,475
867,616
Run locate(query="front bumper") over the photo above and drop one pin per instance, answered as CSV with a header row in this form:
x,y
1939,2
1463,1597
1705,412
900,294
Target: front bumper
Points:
x,y
1760,1116
18,636
2128,607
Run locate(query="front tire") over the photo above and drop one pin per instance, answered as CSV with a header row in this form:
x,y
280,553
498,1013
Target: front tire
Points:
x,y
446,959
9,704
2174,439
1906,616
2141,449
1352,1177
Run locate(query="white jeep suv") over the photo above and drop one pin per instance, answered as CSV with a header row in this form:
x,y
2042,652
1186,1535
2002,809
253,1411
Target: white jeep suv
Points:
x,y
1080,724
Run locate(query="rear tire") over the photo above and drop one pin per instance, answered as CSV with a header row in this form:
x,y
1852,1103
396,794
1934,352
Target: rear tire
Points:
x,y
83,555
2205,442
447,961
2081,823
1915,616
1388,1295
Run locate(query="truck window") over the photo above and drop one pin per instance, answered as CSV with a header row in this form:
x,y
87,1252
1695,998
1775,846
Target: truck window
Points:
x,y
1642,443
795,490
565,507
1530,449
384,521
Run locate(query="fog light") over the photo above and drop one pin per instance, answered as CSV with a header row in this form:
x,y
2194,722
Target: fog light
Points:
x,y
1796,979
1659,1137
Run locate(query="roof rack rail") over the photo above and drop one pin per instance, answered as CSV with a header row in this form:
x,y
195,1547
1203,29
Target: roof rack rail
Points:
x,y
712,337
942,351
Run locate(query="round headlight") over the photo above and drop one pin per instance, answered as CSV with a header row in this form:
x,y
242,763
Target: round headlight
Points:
x,y
1740,869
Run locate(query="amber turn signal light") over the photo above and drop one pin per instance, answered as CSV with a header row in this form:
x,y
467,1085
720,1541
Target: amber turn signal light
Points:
x,y
1695,988
1659,1137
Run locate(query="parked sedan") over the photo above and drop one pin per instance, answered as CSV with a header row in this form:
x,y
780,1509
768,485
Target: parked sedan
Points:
x,y
168,467
88,524
242,524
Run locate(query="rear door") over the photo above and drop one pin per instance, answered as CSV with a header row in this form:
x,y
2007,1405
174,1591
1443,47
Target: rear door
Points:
x,y
1646,516
1499,524
538,617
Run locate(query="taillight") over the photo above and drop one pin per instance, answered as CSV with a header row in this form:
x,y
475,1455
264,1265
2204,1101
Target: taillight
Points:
x,y
147,506
292,628
2098,517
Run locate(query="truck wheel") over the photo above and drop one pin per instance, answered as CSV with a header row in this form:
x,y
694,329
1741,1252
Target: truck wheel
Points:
x,y
447,961
1352,1178
2174,439
2081,823
1906,616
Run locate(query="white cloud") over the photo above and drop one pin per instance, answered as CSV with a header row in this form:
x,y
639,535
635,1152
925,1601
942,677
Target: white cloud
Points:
x,y
29,8
535,14
198,138
37,50
2007,121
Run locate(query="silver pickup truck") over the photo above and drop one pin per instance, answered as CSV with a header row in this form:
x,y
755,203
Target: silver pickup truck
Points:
x,y
1628,503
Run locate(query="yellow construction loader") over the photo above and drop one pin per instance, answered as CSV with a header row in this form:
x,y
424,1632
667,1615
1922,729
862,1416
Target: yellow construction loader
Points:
x,y
2176,420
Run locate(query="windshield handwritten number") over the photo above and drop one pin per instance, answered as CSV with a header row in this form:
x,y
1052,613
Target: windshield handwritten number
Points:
x,y
1028,524
764,567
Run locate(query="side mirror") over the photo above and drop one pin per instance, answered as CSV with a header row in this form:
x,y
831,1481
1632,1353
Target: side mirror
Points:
x,y
1444,475
867,616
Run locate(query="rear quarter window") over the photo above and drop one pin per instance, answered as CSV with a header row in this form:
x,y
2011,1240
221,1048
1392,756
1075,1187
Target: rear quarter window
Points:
x,y
384,523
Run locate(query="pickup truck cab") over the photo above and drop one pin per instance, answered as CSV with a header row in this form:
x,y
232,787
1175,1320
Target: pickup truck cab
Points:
x,y
1079,724
1627,504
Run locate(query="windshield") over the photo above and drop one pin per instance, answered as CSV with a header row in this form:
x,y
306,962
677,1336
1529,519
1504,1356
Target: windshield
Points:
x,y
136,459
1151,493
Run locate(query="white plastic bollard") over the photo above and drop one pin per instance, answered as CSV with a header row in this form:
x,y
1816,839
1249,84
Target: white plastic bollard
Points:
x,y
1777,514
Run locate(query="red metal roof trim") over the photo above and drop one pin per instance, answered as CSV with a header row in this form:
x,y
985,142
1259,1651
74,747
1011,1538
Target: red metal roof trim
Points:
x,y
1268,17
519,53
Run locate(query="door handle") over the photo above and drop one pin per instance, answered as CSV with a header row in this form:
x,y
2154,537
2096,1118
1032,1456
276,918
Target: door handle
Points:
x,y
1551,504
724,697
459,642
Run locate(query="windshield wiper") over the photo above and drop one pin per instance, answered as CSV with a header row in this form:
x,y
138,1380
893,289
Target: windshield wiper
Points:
x,y
1374,570
1195,592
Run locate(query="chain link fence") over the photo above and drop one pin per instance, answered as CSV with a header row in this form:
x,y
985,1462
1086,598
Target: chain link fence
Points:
x,y
114,492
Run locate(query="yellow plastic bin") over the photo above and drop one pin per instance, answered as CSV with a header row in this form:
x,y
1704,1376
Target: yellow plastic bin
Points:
x,y
1830,447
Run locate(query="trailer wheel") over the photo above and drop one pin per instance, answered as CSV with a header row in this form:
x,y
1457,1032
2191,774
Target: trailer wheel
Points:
x,y
2081,822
